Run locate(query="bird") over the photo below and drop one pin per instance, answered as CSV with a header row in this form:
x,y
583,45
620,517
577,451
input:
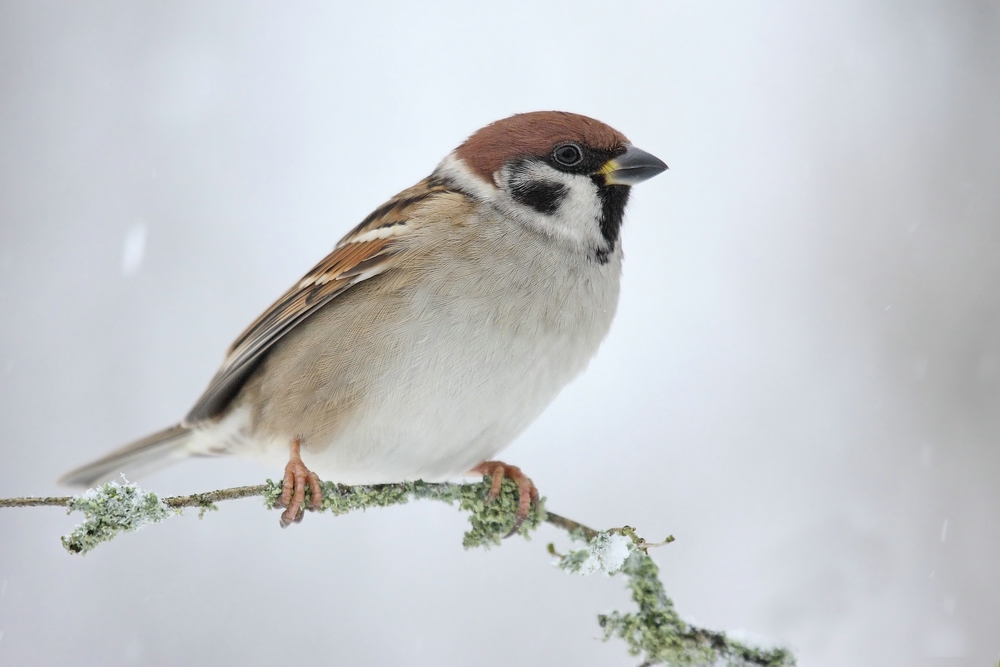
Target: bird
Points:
x,y
437,330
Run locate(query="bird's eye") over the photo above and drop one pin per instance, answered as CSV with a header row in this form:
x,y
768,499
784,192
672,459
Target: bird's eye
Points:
x,y
568,155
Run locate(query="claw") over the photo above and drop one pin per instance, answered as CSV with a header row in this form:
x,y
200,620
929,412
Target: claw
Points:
x,y
293,491
315,491
527,493
496,473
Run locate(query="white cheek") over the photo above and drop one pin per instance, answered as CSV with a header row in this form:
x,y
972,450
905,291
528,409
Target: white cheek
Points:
x,y
455,170
579,214
577,220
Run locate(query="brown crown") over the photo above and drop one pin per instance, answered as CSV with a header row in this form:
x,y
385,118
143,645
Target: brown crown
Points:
x,y
533,134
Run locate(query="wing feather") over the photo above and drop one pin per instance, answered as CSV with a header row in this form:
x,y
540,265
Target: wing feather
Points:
x,y
366,251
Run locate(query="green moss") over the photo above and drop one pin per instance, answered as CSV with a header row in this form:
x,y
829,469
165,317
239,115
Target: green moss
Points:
x,y
490,521
657,632
110,509
209,507
606,552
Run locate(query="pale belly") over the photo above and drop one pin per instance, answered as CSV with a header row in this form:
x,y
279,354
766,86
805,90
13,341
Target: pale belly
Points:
x,y
428,393
445,415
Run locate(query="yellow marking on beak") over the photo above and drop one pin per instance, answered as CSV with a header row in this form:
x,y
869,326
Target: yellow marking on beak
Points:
x,y
631,167
608,170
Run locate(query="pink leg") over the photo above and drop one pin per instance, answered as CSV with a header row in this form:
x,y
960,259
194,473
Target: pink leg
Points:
x,y
293,491
527,493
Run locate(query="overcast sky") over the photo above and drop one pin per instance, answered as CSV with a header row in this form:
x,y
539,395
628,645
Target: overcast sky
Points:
x,y
801,384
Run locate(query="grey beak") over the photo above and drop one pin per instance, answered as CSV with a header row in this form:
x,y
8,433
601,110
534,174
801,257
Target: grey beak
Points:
x,y
633,166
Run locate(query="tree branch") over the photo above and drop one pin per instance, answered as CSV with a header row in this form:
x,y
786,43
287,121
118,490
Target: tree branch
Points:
x,y
193,500
655,631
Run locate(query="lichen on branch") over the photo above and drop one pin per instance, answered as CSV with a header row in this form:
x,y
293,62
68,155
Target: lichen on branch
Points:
x,y
111,509
114,508
655,631
491,521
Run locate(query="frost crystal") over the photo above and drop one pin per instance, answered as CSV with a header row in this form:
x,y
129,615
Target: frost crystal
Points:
x,y
112,508
605,553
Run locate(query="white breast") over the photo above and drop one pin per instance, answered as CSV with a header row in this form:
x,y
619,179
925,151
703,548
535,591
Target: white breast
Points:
x,y
426,371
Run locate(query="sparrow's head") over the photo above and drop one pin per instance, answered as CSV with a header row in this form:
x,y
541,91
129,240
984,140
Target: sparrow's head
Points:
x,y
564,175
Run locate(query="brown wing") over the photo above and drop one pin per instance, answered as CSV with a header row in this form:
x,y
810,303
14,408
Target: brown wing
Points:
x,y
366,251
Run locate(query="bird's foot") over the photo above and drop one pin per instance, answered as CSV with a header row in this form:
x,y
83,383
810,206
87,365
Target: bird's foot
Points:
x,y
293,490
527,493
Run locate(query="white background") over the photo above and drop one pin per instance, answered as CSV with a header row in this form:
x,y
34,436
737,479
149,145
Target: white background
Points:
x,y
801,384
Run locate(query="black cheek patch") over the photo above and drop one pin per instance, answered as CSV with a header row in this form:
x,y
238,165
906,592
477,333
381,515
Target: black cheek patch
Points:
x,y
543,196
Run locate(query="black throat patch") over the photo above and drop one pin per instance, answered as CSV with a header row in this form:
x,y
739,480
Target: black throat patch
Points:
x,y
613,201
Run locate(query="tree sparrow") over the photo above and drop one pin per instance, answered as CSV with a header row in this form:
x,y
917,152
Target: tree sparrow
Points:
x,y
436,331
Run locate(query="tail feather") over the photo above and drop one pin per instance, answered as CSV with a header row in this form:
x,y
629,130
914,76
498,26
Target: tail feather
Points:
x,y
139,458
